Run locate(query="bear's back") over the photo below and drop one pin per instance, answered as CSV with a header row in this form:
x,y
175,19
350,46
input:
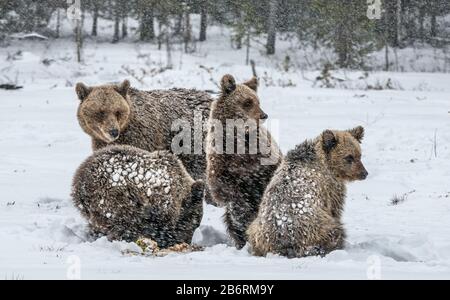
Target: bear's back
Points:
x,y
299,189
171,104
155,179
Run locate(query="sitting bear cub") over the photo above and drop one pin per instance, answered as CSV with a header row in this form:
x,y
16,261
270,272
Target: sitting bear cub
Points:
x,y
126,193
300,213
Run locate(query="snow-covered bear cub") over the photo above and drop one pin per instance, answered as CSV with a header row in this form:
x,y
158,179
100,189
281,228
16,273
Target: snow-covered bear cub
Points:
x,y
300,213
127,193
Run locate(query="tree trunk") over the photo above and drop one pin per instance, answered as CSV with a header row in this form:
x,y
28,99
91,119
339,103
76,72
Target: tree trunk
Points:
x,y
410,24
33,20
386,45
58,22
247,56
187,32
342,44
342,61
203,20
160,34
238,34
95,20
124,27
272,30
421,22
168,48
83,19
238,39
386,57
124,16
399,23
433,32
147,32
116,37
178,25
78,39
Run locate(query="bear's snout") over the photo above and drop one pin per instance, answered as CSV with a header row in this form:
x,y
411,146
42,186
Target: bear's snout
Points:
x,y
264,116
114,133
363,175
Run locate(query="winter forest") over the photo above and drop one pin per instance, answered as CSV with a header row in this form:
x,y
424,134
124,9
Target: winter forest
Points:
x,y
351,30
373,71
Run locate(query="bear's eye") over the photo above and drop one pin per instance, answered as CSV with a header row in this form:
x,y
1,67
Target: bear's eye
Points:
x,y
248,103
118,114
100,115
349,159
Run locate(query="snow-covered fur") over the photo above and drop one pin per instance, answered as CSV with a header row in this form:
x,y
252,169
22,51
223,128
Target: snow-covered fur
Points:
x,y
126,193
121,115
301,210
238,181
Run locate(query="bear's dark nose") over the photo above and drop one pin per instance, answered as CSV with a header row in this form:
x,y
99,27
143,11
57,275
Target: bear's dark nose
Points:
x,y
263,116
114,133
364,175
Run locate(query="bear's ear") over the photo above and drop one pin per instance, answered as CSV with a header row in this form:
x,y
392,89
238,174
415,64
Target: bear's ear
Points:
x,y
228,84
123,88
329,140
357,133
253,83
82,91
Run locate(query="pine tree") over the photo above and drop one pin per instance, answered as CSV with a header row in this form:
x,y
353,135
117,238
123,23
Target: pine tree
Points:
x,y
95,6
344,25
117,17
272,30
147,25
124,16
203,19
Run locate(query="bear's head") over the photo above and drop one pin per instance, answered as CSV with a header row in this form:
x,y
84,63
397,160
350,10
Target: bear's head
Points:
x,y
240,101
343,153
104,111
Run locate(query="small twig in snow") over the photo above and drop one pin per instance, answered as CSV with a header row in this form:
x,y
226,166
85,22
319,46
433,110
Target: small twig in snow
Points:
x,y
396,199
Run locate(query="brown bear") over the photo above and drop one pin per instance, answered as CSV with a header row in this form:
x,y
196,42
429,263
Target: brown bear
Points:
x,y
237,179
121,115
300,213
126,193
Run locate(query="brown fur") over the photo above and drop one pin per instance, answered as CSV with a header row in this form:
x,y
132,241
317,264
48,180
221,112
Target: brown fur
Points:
x,y
238,180
301,210
141,119
126,193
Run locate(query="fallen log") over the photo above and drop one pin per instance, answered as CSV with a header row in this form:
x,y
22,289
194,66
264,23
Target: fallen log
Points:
x,y
9,86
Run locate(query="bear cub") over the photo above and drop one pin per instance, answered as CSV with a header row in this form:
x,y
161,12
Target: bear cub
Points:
x,y
301,210
237,180
126,193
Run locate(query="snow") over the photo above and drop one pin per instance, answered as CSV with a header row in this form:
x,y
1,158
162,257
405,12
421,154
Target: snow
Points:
x,y
406,151
120,170
33,35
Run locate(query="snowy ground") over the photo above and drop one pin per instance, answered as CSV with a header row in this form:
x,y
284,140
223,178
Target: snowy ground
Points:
x,y
406,151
